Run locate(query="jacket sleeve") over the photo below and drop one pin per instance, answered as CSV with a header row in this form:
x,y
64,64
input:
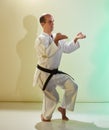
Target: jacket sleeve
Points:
x,y
68,47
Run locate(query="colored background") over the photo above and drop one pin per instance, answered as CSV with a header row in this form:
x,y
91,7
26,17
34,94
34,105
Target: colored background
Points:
x,y
89,65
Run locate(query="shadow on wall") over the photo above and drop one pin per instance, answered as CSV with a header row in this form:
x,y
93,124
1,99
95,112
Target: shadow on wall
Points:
x,y
25,51
66,125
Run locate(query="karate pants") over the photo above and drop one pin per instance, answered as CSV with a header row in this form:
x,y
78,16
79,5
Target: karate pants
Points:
x,y
51,96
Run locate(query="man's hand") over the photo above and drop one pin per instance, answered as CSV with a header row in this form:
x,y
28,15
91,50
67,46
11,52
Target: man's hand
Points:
x,y
79,36
58,37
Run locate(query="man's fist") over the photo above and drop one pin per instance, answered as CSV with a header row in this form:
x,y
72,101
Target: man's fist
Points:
x,y
79,36
58,37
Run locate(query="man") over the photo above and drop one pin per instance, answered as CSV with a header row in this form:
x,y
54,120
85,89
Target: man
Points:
x,y
49,49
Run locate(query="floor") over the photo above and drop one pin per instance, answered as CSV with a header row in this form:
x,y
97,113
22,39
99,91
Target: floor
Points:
x,y
26,116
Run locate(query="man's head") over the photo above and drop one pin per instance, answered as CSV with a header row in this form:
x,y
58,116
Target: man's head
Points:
x,y
47,23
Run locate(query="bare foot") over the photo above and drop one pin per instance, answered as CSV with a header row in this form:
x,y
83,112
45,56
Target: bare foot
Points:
x,y
42,118
63,113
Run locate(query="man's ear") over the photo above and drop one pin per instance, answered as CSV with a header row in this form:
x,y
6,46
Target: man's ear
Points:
x,y
42,24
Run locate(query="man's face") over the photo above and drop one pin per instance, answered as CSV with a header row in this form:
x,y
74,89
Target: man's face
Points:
x,y
48,25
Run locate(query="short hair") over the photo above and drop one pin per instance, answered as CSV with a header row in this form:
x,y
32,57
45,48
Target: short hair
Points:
x,y
42,18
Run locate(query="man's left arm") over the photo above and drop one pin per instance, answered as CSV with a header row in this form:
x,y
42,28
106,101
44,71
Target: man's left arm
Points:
x,y
73,45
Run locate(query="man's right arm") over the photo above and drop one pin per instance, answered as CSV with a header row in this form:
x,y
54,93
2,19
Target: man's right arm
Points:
x,y
45,50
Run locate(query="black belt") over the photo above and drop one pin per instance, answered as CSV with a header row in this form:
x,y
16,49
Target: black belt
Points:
x,y
52,72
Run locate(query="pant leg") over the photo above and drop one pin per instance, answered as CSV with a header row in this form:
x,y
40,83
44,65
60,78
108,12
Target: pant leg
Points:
x,y
50,97
70,90
70,94
50,100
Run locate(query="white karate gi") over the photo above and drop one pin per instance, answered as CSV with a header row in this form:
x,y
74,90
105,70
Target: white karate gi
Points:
x,y
49,56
